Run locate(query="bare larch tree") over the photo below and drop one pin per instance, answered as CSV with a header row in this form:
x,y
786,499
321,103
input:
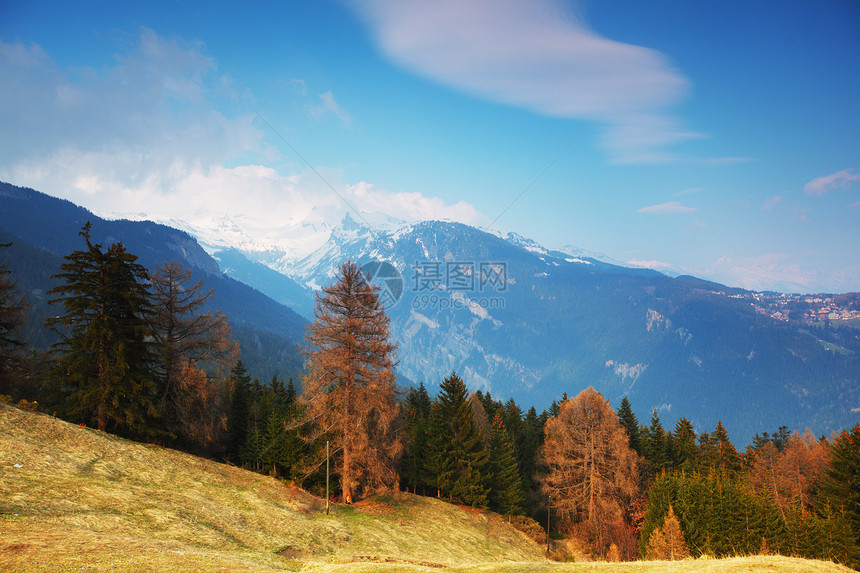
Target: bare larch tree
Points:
x,y
348,389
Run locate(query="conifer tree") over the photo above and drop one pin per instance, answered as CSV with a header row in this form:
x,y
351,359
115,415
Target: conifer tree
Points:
x,y
417,415
273,442
458,459
655,443
12,311
719,455
349,384
630,424
237,417
840,486
686,451
104,358
528,451
506,490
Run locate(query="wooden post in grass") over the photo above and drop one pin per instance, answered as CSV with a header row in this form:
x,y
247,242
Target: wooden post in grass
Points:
x,y
326,477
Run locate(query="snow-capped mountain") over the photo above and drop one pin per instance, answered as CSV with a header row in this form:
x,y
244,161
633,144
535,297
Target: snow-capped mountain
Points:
x,y
520,320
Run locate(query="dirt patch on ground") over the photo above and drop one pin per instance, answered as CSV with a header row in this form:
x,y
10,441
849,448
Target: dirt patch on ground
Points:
x,y
294,553
374,507
379,559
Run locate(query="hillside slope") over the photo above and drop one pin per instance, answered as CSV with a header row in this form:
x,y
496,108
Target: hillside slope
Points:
x,y
75,499
72,497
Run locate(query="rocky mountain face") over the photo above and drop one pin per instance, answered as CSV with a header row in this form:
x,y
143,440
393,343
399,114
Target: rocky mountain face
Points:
x,y
521,321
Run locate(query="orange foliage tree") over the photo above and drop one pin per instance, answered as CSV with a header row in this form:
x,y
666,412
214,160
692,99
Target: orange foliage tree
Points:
x,y
592,472
790,477
348,389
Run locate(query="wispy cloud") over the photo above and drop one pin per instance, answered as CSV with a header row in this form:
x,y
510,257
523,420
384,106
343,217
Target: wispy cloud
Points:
x,y
822,185
771,271
772,202
670,208
329,105
688,191
538,55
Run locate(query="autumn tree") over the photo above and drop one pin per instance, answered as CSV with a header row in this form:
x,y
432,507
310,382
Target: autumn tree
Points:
x,y
592,472
12,310
195,352
104,357
349,385
667,542
790,477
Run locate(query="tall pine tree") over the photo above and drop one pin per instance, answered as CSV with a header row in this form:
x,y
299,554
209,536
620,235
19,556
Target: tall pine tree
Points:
x,y
104,358
457,457
12,310
506,488
417,418
630,424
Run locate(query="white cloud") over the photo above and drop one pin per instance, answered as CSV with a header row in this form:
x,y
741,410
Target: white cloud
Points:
x,y
670,208
145,136
821,185
411,206
150,107
539,56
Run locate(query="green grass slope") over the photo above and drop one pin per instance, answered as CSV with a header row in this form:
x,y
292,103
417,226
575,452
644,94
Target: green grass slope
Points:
x,y
74,499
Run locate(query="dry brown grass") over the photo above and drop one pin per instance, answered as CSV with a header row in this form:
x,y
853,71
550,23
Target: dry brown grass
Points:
x,y
74,499
85,500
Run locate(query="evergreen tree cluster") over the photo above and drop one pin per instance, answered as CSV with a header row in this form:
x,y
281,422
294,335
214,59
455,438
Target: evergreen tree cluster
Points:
x,y
449,453
787,494
263,429
136,355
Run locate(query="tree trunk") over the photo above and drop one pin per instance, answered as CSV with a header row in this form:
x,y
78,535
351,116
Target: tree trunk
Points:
x,y
345,477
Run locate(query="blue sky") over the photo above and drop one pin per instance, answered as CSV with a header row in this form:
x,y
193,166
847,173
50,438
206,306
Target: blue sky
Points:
x,y
719,139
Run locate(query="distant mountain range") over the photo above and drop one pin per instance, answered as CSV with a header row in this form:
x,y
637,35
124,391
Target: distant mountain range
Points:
x,y
518,320
522,321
